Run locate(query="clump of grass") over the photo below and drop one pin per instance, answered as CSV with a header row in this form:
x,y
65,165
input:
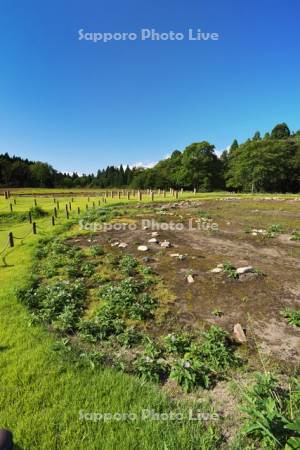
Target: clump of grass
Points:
x,y
292,316
37,212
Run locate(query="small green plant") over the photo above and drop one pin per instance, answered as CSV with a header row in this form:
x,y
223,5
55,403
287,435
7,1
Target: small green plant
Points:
x,y
292,316
274,229
230,271
295,236
258,272
97,250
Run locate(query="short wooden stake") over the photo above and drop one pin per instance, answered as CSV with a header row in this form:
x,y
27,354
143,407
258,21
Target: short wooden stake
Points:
x,y
11,239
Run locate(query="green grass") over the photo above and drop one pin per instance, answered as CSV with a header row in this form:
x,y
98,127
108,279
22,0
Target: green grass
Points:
x,y
42,393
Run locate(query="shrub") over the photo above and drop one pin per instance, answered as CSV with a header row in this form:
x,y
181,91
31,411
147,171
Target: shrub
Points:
x,y
177,343
150,365
37,212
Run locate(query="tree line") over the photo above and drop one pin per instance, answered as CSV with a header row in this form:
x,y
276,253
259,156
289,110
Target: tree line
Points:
x,y
261,164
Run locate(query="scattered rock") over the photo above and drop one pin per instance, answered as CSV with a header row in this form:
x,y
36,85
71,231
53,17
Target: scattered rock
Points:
x,y
142,248
114,244
217,270
154,233
147,259
123,245
174,255
220,266
190,279
153,241
165,244
242,270
239,334
181,257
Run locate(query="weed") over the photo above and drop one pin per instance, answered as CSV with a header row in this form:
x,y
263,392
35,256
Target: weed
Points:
x,y
230,270
292,316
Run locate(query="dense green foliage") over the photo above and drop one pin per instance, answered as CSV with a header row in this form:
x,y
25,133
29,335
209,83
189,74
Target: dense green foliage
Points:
x,y
269,164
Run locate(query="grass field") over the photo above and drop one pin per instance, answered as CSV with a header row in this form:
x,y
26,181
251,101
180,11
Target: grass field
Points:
x,y
43,392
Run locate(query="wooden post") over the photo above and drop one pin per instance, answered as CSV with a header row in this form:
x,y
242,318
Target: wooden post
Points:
x,y
34,228
67,214
70,206
128,195
30,217
6,195
94,205
164,192
152,196
88,199
86,206
11,207
15,201
35,202
11,239
55,212
78,209
57,203
98,202
53,221
119,195
140,196
195,190
176,194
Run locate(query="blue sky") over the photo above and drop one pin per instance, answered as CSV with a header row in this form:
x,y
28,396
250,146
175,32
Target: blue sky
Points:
x,y
81,105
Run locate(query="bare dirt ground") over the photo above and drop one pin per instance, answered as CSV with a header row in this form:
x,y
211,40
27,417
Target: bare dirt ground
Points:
x,y
254,300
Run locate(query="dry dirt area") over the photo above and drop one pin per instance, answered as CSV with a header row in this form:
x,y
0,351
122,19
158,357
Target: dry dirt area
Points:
x,y
255,300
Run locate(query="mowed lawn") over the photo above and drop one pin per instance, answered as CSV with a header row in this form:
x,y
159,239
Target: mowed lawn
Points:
x,y
42,394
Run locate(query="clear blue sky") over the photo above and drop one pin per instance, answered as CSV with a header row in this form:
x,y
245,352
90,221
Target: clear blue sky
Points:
x,y
81,106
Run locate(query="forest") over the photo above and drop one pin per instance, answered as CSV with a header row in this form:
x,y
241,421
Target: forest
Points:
x,y
261,164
